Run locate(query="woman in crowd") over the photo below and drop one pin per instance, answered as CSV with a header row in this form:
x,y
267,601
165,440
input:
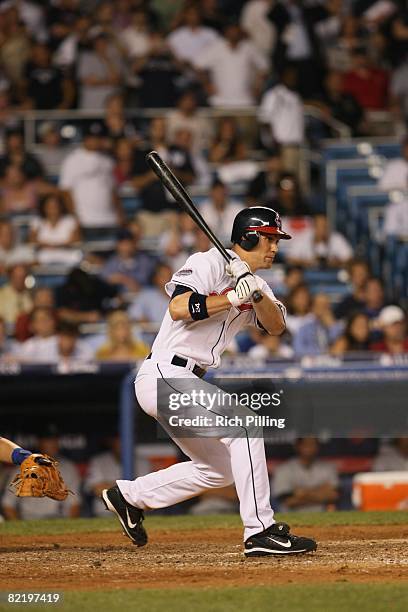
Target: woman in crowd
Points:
x,y
356,336
228,145
298,303
55,233
121,344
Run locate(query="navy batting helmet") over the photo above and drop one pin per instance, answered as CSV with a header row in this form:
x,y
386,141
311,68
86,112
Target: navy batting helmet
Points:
x,y
255,220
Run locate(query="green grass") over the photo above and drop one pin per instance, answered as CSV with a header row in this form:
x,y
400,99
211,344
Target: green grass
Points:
x,y
223,521
340,597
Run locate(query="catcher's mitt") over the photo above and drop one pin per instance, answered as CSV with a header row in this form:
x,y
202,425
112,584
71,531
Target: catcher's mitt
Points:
x,y
39,477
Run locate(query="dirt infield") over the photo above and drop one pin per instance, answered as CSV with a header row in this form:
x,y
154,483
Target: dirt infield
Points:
x,y
199,558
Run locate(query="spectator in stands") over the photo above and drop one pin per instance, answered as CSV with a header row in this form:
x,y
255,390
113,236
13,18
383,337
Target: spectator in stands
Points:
x,y
87,174
103,471
306,482
15,154
25,508
151,303
41,347
11,252
319,246
159,72
51,152
281,119
298,303
135,38
177,243
297,43
67,53
69,346
130,267
4,342
61,17
374,300
116,125
294,277
268,347
121,345
45,86
316,335
219,210
348,38
392,458
264,187
181,155
228,145
395,175
189,41
99,72
220,63
124,159
255,23
368,84
356,336
359,274
84,298
392,322
341,105
159,211
18,195
396,219
55,233
15,48
14,296
42,297
289,200
186,116
399,92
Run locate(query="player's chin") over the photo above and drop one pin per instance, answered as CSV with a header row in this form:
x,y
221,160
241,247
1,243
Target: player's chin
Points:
x,y
268,261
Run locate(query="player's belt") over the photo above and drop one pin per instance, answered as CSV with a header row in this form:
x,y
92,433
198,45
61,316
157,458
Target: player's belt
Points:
x,y
182,363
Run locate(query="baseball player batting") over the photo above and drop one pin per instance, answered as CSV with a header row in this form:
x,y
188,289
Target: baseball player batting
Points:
x,y
210,302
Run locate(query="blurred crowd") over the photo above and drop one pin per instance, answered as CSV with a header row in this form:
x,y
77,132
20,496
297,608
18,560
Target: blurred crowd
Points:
x,y
63,203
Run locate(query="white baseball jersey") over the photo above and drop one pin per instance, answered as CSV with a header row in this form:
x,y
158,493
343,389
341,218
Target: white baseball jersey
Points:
x,y
204,341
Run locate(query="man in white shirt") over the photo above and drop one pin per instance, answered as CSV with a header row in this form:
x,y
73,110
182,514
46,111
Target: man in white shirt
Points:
x,y
393,458
256,24
235,68
319,245
192,38
220,211
88,175
282,120
306,482
396,219
395,174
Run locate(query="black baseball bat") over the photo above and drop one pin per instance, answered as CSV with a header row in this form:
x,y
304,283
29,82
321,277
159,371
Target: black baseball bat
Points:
x,y
163,172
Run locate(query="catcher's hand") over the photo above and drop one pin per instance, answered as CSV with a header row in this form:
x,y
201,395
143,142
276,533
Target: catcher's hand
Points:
x,y
39,477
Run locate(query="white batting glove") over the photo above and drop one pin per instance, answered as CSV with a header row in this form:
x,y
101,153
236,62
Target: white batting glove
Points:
x,y
237,268
243,291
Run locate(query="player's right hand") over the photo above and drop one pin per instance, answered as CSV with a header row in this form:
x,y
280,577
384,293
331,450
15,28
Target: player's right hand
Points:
x,y
237,268
243,291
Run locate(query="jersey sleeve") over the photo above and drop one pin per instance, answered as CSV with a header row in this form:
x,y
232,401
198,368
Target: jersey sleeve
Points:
x,y
265,288
200,273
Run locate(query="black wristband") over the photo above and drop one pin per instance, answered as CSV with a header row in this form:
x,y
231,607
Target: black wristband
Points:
x,y
197,306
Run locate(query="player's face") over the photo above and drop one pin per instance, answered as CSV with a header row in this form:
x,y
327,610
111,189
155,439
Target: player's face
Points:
x,y
266,251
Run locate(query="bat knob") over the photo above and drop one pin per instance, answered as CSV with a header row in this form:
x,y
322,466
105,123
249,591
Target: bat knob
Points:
x,y
257,296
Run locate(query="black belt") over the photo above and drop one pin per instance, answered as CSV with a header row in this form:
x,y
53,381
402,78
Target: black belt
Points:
x,y
180,361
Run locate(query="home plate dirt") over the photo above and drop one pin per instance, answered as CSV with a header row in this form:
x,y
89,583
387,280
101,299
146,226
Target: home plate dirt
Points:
x,y
199,558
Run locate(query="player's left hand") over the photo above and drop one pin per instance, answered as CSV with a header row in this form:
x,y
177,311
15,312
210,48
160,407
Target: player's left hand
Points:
x,y
237,269
246,287
40,477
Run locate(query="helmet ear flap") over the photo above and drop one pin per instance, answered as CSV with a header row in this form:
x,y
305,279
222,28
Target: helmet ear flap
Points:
x,y
249,240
